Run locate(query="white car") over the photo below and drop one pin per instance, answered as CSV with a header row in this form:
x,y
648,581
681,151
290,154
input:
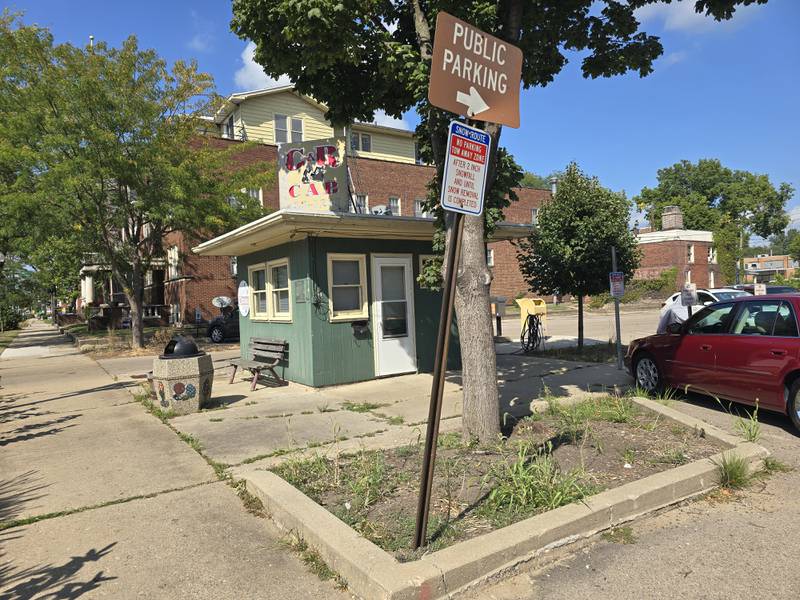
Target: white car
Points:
x,y
704,297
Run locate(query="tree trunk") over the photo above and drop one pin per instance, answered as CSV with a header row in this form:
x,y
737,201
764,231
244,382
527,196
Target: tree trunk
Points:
x,y
580,322
481,412
136,301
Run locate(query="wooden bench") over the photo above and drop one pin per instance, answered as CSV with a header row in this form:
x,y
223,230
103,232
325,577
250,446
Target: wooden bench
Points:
x,y
264,354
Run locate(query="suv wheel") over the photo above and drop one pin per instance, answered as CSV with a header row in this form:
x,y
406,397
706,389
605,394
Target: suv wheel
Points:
x,y
217,334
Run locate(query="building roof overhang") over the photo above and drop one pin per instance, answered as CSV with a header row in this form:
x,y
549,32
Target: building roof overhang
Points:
x,y
675,235
286,225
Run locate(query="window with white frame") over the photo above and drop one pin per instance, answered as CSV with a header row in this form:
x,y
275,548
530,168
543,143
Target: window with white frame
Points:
x,y
173,262
280,304
534,216
281,129
254,193
257,275
360,202
489,257
234,266
354,139
690,253
366,142
297,130
347,286
393,206
712,255
419,208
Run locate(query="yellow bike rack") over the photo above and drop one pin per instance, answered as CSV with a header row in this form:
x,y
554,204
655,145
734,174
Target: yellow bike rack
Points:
x,y
532,306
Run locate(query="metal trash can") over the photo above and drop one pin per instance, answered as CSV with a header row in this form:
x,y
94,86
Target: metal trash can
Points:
x,y
183,376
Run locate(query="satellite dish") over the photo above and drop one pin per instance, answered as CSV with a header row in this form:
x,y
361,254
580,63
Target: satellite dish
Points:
x,y
380,209
222,301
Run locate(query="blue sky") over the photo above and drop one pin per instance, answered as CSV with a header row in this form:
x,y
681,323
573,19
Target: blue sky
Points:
x,y
722,90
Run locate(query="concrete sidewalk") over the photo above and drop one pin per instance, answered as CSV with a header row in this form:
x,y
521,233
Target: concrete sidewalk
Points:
x,y
98,498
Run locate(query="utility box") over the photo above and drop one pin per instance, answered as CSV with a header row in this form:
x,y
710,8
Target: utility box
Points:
x,y
183,377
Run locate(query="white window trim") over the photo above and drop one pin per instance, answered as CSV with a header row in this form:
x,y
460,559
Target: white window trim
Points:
x,y
423,214
274,315
490,257
275,128
399,205
173,263
290,124
691,254
254,315
348,315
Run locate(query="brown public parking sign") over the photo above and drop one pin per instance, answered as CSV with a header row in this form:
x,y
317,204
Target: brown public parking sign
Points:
x,y
473,73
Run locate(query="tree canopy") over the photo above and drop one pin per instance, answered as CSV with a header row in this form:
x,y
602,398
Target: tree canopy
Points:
x,y
100,146
570,251
706,191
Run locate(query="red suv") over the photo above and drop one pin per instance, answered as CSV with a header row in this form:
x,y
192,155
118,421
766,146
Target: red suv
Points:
x,y
746,350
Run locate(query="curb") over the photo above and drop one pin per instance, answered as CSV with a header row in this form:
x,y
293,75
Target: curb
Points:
x,y
372,573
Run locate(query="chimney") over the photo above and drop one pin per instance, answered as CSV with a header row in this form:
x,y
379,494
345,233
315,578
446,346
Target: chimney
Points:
x,y
671,218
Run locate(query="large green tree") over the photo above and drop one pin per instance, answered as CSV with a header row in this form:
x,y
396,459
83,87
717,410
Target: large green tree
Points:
x,y
359,56
570,251
101,146
706,191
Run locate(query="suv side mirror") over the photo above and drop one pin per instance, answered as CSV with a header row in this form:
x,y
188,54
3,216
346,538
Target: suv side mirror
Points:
x,y
675,328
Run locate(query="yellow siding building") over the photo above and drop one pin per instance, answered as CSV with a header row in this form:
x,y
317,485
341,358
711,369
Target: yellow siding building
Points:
x,y
281,114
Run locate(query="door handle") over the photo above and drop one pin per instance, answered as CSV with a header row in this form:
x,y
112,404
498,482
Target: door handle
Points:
x,y
778,352
705,347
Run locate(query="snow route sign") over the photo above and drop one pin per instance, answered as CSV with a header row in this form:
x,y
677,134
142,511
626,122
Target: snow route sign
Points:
x,y
465,169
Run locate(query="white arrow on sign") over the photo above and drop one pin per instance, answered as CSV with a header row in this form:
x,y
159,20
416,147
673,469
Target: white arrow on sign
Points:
x,y
473,101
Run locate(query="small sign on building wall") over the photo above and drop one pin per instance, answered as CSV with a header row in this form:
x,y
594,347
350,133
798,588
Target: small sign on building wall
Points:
x,y
243,297
312,176
760,289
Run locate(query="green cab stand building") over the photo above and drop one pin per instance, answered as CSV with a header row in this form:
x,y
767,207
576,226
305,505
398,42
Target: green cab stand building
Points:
x,y
339,286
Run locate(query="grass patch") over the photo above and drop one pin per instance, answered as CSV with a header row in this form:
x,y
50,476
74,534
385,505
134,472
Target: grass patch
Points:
x,y
359,407
773,465
314,562
749,428
620,535
6,337
216,420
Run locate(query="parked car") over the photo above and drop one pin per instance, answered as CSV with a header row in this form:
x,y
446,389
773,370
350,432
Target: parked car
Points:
x,y
225,326
705,297
745,350
771,289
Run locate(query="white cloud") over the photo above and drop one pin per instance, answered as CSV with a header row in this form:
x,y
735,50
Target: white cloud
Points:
x,y
201,42
681,16
675,57
250,76
794,216
381,118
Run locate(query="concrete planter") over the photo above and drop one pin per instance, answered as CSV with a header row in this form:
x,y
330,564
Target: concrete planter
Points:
x,y
183,384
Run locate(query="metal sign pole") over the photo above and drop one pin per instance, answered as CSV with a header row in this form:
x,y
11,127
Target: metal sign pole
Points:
x,y
616,311
437,388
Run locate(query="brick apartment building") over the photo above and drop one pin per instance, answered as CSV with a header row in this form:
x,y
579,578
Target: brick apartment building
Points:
x,y
690,252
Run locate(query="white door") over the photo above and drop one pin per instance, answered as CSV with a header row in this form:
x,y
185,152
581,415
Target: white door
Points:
x,y
393,308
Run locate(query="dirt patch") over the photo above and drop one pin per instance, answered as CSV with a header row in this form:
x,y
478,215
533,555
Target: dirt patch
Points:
x,y
548,460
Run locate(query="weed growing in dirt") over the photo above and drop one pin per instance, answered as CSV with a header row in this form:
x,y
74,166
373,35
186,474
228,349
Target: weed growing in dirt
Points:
x,y
773,465
314,562
532,482
620,535
360,407
749,428
733,471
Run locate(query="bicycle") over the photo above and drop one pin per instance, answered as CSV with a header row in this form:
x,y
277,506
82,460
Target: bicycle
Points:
x,y
532,335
